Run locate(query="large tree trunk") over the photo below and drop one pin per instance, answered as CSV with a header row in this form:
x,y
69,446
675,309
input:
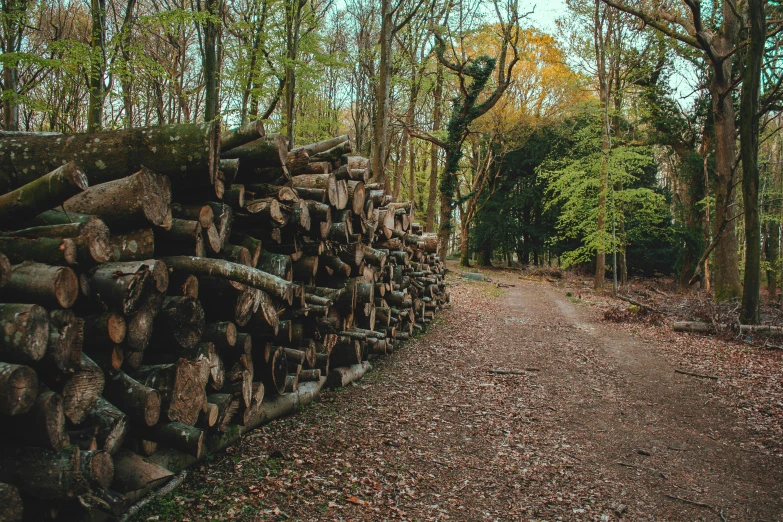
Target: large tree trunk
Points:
x,y
749,143
97,65
211,65
381,116
433,193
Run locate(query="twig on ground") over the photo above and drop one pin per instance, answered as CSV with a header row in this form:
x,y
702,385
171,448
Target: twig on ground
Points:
x,y
524,371
691,502
700,375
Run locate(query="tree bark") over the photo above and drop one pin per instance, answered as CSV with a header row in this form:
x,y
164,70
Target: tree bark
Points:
x,y
25,332
140,199
178,150
50,286
46,192
749,148
141,403
276,286
18,388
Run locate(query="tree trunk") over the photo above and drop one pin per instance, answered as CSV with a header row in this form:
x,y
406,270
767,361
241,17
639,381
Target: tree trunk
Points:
x,y
464,244
211,66
97,65
749,146
381,116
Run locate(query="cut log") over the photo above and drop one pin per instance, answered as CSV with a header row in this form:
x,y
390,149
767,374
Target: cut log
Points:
x,y
181,321
81,390
66,338
341,377
276,264
182,388
252,245
180,150
5,270
51,286
692,326
283,193
140,199
209,418
44,474
224,220
46,192
323,146
268,151
297,161
237,254
120,286
306,268
336,265
135,475
267,210
111,424
326,182
43,425
24,333
760,329
334,154
310,375
193,212
51,251
356,196
141,403
183,284
134,246
11,507
273,373
18,388
235,196
242,387
237,136
182,437
104,329
223,334
228,170
276,286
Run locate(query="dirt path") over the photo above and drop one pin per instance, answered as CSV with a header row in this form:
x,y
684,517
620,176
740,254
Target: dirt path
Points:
x,y
599,428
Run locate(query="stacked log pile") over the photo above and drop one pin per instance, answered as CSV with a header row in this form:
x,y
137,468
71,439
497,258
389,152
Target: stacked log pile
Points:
x,y
165,290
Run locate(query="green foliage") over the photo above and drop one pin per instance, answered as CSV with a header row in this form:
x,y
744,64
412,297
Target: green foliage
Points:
x,y
573,189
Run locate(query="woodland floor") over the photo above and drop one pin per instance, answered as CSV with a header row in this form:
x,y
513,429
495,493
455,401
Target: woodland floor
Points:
x,y
597,425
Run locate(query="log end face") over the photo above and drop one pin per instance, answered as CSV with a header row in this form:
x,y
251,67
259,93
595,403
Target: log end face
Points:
x,y
152,405
66,287
116,328
75,175
19,388
100,469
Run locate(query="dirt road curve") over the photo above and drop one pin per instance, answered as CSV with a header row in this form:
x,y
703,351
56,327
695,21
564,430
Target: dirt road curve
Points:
x,y
596,426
